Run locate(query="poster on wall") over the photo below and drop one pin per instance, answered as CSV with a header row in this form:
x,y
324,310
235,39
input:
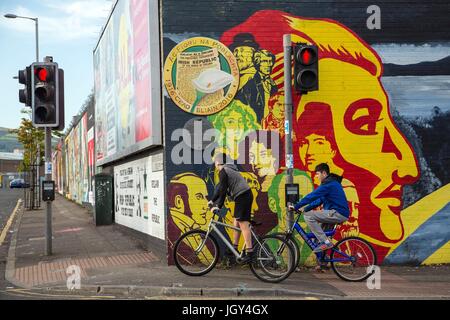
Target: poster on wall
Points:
x,y
126,69
139,197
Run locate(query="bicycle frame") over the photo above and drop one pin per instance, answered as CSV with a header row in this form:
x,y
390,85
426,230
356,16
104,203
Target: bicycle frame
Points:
x,y
309,241
212,226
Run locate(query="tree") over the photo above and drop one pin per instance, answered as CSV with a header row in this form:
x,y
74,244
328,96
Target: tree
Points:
x,y
33,141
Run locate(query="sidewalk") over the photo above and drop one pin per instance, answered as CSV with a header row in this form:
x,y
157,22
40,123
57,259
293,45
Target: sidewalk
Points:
x,y
115,263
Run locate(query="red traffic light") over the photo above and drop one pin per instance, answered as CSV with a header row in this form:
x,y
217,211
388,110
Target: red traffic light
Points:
x,y
43,74
46,94
306,56
306,67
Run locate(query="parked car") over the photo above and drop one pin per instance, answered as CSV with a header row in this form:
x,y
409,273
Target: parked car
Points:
x,y
18,183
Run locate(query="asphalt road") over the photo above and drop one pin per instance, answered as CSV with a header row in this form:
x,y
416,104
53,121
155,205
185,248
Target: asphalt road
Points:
x,y
8,201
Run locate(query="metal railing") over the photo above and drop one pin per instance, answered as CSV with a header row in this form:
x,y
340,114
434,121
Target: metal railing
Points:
x,y
32,191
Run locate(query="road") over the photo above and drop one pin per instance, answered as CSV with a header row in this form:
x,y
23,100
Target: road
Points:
x,y
8,201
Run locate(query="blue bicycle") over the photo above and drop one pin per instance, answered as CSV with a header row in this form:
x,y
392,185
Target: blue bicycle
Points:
x,y
352,258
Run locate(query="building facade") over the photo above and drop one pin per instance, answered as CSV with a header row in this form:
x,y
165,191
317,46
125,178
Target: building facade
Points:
x,y
177,82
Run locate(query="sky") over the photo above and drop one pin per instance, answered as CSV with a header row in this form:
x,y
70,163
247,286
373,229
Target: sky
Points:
x,y
68,31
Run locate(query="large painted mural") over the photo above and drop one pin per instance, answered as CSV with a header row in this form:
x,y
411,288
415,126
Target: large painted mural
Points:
x,y
73,161
351,124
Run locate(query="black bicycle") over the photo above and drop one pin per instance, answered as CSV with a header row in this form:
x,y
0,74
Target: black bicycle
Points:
x,y
197,252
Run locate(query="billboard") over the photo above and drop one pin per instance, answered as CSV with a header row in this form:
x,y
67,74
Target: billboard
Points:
x,y
127,82
76,165
139,196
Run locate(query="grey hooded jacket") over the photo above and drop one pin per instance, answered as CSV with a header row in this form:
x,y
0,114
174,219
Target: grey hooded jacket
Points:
x,y
231,183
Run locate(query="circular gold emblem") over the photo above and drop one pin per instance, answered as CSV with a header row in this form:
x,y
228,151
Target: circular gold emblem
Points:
x,y
201,76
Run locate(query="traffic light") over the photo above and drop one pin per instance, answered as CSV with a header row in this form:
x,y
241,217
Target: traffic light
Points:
x,y
45,94
25,78
306,67
60,109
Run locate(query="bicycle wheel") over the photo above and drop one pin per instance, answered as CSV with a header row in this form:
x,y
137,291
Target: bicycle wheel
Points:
x,y
356,259
294,244
195,256
274,259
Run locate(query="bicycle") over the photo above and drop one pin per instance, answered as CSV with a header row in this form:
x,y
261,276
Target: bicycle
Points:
x,y
197,252
348,256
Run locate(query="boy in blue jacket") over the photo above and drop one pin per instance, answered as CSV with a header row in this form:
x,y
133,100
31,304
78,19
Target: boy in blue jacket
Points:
x,y
335,206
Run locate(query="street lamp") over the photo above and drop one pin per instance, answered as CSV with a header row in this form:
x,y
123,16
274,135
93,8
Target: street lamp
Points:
x,y
48,133
14,16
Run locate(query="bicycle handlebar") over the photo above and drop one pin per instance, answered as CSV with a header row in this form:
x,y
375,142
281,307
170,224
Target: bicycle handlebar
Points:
x,y
296,211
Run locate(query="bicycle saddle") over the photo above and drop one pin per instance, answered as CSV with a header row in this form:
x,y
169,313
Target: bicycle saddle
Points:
x,y
254,223
329,226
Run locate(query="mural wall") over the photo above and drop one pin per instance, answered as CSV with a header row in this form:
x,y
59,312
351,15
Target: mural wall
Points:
x,y
58,167
382,104
73,161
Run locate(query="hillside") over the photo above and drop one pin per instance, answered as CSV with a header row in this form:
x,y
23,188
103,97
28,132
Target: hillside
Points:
x,y
8,141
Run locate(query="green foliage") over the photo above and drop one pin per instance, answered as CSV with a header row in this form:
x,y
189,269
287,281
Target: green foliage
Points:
x,y
32,139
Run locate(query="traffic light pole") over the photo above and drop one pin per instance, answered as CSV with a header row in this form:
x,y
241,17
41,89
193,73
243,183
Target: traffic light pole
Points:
x,y
287,44
48,177
36,21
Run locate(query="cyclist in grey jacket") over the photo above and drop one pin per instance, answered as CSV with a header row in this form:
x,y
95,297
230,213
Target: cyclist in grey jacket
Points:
x,y
232,183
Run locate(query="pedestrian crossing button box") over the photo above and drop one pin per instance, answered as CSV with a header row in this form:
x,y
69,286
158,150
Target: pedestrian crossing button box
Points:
x,y
48,190
292,193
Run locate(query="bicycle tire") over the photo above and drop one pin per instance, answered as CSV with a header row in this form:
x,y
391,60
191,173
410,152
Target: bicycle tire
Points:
x,y
278,262
180,257
336,268
294,244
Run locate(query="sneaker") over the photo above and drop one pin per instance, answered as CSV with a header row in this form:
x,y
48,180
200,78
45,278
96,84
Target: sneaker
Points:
x,y
319,269
247,258
323,247
322,267
231,260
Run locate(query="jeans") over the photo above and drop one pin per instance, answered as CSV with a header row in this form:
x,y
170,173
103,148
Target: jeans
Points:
x,y
314,218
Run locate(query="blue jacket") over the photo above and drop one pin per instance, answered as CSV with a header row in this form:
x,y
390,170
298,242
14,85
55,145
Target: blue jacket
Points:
x,y
330,193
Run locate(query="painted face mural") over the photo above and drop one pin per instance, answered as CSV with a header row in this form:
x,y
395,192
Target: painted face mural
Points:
x,y
232,124
274,120
244,57
348,114
259,88
262,159
276,194
244,48
277,204
260,152
188,202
